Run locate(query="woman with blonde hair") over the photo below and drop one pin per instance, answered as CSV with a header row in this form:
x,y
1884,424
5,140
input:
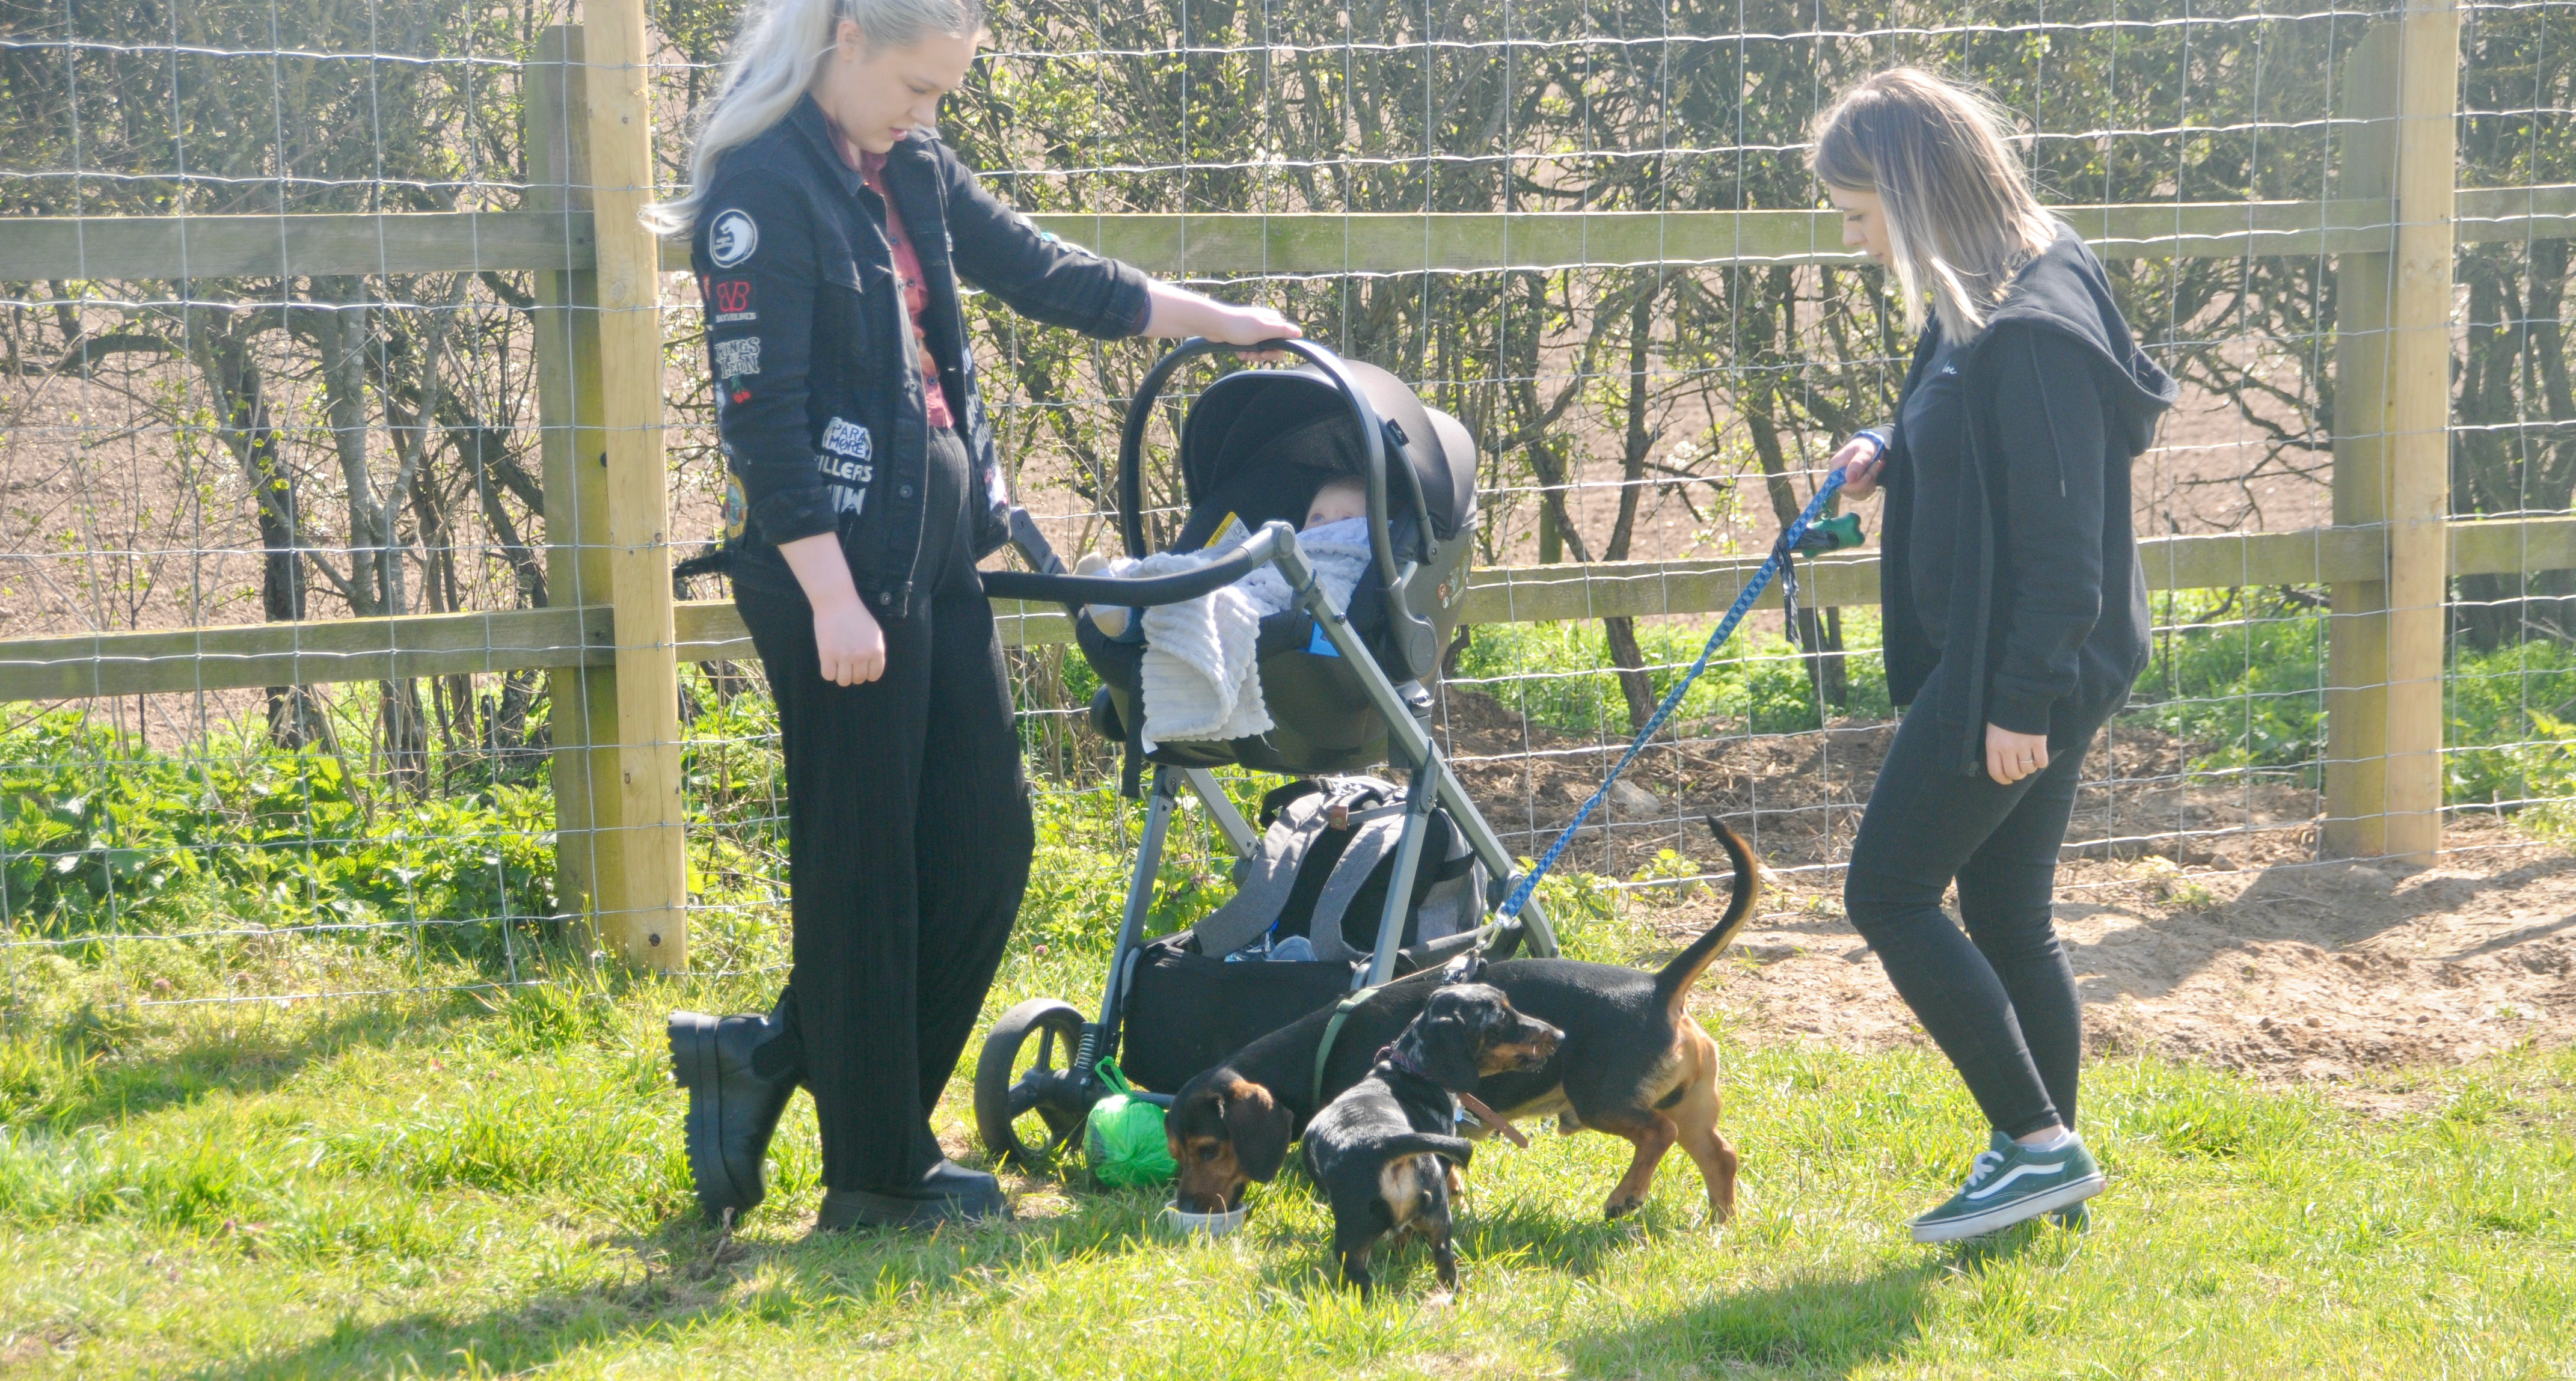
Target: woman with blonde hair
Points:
x,y
830,230
2015,608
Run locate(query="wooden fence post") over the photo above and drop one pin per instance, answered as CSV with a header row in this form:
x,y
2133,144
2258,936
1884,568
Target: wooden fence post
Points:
x,y
2392,442
619,840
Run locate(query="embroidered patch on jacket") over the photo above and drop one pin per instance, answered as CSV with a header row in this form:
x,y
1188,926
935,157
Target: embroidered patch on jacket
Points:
x,y
842,437
846,481
736,359
731,297
732,238
845,470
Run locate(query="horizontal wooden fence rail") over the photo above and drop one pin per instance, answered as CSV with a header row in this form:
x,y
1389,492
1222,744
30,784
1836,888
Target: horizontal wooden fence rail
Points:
x,y
327,651
1410,242
63,248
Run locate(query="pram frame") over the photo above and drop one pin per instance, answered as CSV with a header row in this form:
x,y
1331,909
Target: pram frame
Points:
x,y
1063,1097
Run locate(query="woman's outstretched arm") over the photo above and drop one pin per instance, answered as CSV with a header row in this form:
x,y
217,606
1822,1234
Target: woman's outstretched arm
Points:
x,y
1178,312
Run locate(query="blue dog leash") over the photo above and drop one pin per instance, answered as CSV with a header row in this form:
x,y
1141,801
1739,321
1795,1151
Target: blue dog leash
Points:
x,y
1771,566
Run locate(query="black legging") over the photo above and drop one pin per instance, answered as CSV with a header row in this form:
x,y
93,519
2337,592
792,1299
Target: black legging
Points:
x,y
2000,1000
908,848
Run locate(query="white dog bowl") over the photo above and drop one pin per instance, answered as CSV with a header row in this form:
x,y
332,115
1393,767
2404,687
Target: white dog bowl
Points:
x,y
1211,1225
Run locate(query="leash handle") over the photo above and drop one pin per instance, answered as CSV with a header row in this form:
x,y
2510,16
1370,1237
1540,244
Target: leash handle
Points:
x,y
1771,566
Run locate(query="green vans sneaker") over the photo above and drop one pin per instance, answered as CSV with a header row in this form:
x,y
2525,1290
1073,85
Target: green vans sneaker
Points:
x,y
2011,1182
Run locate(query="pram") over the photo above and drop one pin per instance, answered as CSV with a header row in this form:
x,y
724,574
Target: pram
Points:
x,y
1344,685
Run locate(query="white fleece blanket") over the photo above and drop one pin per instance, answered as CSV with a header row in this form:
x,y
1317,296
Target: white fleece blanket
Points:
x,y
1201,679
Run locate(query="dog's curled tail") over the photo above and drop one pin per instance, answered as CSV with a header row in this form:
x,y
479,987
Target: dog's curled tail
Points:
x,y
1688,965
1457,1150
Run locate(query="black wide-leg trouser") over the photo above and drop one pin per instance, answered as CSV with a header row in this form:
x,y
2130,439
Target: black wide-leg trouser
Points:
x,y
909,837
1999,999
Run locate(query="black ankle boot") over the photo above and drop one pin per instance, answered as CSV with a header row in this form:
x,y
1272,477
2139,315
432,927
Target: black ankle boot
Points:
x,y
950,1193
732,1108
945,1193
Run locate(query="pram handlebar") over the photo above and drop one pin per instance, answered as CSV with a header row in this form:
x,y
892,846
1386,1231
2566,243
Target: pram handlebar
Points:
x,y
1373,436
1144,592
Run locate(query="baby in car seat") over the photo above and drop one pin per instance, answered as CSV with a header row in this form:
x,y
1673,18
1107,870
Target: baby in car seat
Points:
x,y
1340,500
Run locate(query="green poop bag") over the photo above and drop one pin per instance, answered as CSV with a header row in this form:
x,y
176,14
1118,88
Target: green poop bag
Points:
x,y
1124,1137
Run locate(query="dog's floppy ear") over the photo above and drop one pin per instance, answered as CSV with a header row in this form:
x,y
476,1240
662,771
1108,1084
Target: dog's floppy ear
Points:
x,y
1466,968
1258,1128
1444,1046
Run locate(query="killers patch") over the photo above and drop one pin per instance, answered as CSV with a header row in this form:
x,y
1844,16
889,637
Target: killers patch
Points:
x,y
846,438
737,359
857,474
732,238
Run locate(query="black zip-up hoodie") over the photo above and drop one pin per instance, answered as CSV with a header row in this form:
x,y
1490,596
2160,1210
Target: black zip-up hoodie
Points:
x,y
819,402
2047,599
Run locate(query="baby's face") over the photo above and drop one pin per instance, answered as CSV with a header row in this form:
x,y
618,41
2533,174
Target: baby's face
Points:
x,y
1343,498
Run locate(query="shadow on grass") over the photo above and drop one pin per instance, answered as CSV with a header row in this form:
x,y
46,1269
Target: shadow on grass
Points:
x,y
690,1275
1816,1324
242,1060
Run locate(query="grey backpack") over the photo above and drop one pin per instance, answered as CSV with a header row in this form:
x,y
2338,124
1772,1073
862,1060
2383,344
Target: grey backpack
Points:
x,y
1327,853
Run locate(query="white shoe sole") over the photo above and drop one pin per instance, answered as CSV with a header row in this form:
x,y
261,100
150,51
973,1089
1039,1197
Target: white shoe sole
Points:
x,y
2003,1216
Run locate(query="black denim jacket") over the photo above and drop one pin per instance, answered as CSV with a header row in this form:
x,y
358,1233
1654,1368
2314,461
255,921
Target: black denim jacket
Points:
x,y
818,391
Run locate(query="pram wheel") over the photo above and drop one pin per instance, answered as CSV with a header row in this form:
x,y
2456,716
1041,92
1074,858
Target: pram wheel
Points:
x,y
1026,1113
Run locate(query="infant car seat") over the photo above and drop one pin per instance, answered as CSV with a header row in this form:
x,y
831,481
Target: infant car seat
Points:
x,y
1255,448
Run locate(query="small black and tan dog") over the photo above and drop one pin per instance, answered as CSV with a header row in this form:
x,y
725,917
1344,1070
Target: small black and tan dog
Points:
x,y
1378,1150
1632,1064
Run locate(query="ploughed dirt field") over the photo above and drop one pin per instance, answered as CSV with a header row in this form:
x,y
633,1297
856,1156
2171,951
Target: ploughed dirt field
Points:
x,y
2201,922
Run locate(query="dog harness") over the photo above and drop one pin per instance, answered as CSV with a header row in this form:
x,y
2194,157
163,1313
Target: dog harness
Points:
x,y
1332,1033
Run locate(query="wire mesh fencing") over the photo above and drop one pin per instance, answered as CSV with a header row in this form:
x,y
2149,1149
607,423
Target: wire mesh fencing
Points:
x,y
312,628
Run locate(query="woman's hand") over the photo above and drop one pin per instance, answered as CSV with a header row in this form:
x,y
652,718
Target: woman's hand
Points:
x,y
850,645
2011,757
1860,459
1179,312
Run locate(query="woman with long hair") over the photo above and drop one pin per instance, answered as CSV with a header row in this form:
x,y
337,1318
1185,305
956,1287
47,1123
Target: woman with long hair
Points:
x,y
830,230
2015,608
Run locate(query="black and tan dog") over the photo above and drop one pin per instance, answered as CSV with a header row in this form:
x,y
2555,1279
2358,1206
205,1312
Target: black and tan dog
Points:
x,y
1378,1149
1631,1064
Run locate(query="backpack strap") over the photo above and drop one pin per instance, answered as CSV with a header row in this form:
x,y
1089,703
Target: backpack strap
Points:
x,y
1332,1033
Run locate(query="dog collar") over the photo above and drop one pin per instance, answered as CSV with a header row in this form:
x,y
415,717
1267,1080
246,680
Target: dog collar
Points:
x,y
1501,1125
1385,1060
1388,1055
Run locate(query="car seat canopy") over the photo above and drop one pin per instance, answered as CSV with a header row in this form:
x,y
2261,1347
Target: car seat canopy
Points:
x,y
1262,441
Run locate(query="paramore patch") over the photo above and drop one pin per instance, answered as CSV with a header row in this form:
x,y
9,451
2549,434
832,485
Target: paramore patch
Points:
x,y
732,238
846,438
737,359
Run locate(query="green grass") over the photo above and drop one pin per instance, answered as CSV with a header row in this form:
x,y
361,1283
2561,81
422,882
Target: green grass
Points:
x,y
1560,674
486,1181
491,1184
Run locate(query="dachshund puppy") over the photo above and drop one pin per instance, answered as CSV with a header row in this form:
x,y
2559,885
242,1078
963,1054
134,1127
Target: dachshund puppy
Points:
x,y
1632,1064
1378,1149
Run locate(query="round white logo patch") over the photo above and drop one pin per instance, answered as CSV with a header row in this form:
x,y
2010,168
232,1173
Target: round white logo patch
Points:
x,y
732,239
